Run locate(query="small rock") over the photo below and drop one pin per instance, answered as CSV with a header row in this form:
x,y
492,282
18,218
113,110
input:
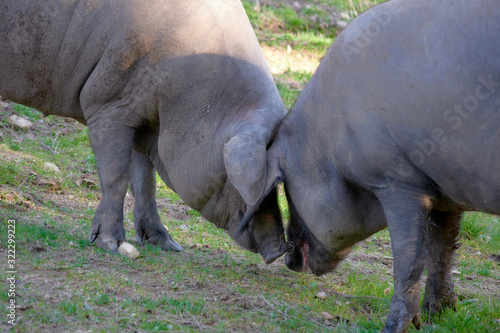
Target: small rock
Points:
x,y
257,5
4,104
46,183
341,24
326,315
51,167
345,15
19,122
294,84
87,182
128,250
71,243
455,272
321,295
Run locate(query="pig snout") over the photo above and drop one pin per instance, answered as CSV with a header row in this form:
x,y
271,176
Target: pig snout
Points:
x,y
296,259
276,250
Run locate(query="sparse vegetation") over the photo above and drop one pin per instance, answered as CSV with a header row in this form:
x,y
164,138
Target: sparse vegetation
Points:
x,y
474,226
65,284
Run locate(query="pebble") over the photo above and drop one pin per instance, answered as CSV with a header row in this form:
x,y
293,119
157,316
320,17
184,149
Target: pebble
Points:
x,y
341,24
51,167
326,315
19,122
321,295
86,182
128,250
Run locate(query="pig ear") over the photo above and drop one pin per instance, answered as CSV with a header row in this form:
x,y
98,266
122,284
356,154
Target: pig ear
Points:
x,y
245,162
251,171
273,178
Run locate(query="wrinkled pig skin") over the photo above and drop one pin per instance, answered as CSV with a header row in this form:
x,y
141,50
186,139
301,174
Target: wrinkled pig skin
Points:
x,y
181,88
399,127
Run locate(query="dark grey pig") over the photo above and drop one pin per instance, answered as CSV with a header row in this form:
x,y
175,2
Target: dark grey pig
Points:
x,y
173,86
399,127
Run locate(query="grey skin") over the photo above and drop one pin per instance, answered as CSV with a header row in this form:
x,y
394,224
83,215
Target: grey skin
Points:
x,y
178,87
399,128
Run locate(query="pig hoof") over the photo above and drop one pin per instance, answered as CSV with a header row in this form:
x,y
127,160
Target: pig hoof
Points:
x,y
401,316
435,305
416,322
166,242
107,243
170,245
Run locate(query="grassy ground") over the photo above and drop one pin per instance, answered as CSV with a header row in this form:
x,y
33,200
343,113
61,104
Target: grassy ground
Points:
x,y
64,284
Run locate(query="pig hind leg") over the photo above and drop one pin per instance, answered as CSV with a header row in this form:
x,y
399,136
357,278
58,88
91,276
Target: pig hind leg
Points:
x,y
441,243
147,224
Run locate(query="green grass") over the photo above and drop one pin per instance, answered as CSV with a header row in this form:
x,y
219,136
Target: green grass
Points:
x,y
8,173
292,28
306,28
473,226
353,7
288,93
67,284
22,110
212,285
481,230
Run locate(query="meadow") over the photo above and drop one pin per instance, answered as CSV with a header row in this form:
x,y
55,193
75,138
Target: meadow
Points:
x,y
65,284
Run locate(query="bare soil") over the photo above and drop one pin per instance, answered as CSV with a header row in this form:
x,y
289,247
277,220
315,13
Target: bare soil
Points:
x,y
52,282
55,282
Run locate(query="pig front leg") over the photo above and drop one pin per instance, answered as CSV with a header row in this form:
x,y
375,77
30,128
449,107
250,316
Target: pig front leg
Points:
x,y
406,218
112,146
147,224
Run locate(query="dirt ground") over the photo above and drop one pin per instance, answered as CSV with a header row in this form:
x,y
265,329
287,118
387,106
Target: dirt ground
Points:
x,y
52,285
49,282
